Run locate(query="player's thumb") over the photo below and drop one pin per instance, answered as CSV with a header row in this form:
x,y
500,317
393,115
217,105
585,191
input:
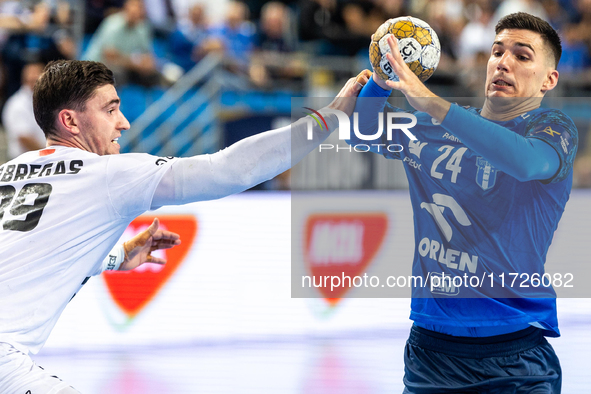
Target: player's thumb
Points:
x,y
153,227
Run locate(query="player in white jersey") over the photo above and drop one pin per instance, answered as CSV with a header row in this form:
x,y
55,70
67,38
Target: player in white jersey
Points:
x,y
64,207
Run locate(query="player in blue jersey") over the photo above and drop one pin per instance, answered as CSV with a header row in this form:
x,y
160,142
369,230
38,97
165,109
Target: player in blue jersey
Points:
x,y
488,187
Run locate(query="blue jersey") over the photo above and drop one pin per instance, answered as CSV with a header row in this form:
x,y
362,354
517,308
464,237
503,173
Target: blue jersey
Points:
x,y
471,218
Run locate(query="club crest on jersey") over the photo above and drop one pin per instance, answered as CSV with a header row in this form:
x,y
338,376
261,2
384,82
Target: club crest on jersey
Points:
x,y
486,175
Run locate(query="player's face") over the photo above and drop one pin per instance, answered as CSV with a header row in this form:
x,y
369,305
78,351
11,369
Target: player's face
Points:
x,y
519,65
102,122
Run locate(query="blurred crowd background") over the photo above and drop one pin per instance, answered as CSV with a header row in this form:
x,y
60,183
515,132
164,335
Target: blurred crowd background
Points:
x,y
197,75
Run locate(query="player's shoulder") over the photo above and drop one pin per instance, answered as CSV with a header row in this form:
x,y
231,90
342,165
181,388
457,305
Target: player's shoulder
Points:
x,y
549,117
135,159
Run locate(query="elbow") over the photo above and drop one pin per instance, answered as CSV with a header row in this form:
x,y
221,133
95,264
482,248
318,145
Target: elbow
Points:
x,y
253,176
247,180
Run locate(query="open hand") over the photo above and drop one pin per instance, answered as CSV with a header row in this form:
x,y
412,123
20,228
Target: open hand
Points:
x,y
417,94
409,84
138,249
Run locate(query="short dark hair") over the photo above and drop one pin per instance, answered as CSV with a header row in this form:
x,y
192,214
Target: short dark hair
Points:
x,y
525,21
67,84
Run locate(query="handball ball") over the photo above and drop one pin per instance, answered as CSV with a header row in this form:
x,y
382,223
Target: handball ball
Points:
x,y
418,44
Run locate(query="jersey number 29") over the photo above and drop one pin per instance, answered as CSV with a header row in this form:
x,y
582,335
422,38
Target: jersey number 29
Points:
x,y
29,202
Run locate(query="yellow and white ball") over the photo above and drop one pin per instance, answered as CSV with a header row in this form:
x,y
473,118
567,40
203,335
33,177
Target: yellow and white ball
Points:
x,y
418,44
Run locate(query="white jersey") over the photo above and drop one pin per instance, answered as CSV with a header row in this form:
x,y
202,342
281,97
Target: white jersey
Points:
x,y
61,211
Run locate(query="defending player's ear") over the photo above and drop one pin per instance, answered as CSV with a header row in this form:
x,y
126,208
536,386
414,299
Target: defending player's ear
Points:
x,y
67,121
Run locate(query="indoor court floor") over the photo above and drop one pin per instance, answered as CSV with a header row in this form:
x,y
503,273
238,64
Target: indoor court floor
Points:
x,y
368,362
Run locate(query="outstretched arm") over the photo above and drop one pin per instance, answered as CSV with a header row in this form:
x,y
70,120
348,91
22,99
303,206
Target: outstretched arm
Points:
x,y
250,161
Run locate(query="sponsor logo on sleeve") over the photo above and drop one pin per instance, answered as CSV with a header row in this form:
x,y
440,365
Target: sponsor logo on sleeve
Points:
x,y
548,130
564,143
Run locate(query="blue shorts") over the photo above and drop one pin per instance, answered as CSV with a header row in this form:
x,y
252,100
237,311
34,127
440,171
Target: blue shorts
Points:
x,y
521,362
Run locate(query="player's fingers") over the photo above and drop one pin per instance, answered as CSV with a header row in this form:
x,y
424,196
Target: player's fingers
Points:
x,y
350,89
155,260
363,77
393,84
161,247
164,234
154,226
165,244
393,43
398,68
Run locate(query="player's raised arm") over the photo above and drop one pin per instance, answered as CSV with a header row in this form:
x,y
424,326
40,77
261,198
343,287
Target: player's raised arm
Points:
x,y
250,161
525,158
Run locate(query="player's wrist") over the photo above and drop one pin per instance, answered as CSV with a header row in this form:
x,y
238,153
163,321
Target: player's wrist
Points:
x,y
114,259
380,82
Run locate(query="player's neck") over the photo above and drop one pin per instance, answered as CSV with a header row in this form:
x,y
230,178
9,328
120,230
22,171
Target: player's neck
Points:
x,y
507,108
54,140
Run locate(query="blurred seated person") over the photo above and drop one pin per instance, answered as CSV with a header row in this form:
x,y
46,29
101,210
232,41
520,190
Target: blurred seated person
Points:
x,y
274,40
234,37
96,11
185,42
274,30
22,131
161,15
17,20
123,42
575,52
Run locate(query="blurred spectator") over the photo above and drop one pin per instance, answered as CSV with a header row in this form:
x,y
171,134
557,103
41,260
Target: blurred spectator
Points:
x,y
234,36
275,29
123,42
161,15
316,17
474,73
337,28
60,30
33,31
274,40
583,22
22,132
387,9
320,24
17,21
533,7
447,21
185,42
558,17
575,52
97,10
477,35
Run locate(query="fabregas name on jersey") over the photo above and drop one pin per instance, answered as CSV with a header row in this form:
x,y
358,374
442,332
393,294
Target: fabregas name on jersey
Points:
x,y
17,172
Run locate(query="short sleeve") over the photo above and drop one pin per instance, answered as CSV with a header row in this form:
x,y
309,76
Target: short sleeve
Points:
x,y
132,179
558,130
